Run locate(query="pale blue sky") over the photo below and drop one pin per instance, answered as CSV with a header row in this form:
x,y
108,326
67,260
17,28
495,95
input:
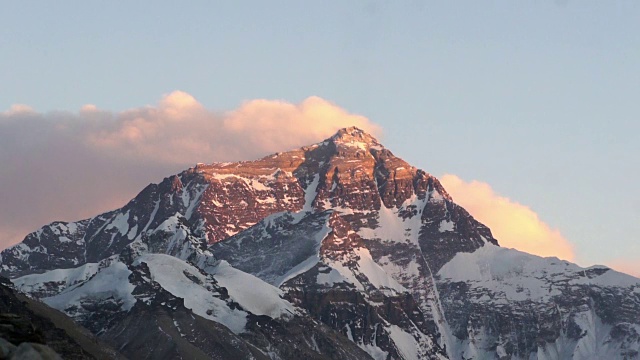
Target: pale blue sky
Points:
x,y
539,99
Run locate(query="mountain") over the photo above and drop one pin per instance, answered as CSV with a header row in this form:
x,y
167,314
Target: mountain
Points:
x,y
337,250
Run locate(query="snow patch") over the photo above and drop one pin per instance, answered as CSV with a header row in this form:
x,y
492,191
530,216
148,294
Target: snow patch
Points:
x,y
121,222
374,273
310,194
375,352
301,268
252,293
109,282
404,342
169,272
392,227
446,225
186,198
63,277
338,274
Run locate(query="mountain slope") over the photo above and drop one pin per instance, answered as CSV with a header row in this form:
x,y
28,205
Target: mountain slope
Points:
x,y
345,246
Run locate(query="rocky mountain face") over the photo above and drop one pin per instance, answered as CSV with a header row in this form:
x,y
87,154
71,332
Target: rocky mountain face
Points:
x,y
338,250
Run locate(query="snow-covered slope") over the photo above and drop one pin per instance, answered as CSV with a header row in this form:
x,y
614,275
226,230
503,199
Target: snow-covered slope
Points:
x,y
335,250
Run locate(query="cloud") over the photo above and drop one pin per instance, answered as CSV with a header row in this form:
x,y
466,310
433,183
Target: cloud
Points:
x,y
68,166
180,130
17,109
513,224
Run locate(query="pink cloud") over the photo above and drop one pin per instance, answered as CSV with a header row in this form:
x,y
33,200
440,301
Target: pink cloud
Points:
x,y
180,130
513,224
18,109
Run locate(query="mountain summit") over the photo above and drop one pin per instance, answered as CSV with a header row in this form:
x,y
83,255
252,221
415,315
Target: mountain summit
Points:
x,y
336,250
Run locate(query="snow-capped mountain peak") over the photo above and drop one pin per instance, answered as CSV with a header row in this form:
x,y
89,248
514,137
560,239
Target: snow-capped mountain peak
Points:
x,y
353,136
338,249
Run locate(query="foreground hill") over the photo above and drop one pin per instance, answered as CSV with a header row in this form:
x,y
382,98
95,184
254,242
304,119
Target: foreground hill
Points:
x,y
30,329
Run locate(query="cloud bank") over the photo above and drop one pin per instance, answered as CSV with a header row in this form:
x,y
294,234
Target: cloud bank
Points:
x,y
513,224
69,166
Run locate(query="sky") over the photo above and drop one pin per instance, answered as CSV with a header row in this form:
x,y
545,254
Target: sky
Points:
x,y
528,112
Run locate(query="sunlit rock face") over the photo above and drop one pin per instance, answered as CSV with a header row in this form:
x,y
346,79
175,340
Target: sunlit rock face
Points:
x,y
335,250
